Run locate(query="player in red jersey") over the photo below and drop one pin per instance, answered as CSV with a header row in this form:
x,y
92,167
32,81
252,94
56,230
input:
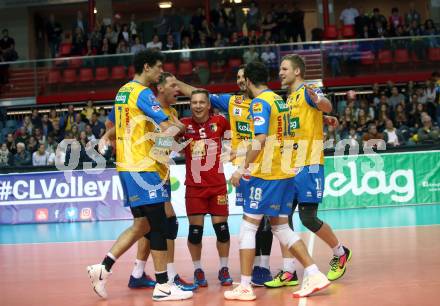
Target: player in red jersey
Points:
x,y
206,191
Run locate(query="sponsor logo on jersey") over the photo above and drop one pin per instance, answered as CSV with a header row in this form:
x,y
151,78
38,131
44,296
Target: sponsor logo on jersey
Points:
x,y
190,129
281,105
155,108
258,120
122,98
213,127
237,111
238,100
294,123
222,199
257,107
243,127
152,194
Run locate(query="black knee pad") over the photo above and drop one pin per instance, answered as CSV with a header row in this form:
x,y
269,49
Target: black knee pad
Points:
x,y
158,226
308,215
195,234
158,241
148,236
173,228
222,231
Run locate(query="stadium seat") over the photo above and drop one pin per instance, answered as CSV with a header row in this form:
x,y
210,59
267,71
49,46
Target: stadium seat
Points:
x,y
200,64
85,75
401,56
348,31
65,49
75,62
234,63
118,73
367,58
434,54
169,67
331,32
217,69
101,74
185,68
69,76
385,57
54,77
131,71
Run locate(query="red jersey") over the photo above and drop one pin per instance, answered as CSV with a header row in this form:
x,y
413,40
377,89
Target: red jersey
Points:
x,y
203,167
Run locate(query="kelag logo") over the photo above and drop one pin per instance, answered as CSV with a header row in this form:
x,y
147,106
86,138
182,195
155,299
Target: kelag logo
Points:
x,y
71,213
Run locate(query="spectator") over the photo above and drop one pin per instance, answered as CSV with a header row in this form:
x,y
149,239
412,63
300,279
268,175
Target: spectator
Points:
x,y
414,29
83,140
133,26
395,19
27,123
102,115
430,91
122,47
253,17
53,117
427,133
137,46
105,49
46,125
250,55
124,35
269,58
176,27
155,43
222,27
342,104
41,156
32,144
161,25
170,44
431,30
89,133
392,136
98,128
7,47
267,38
396,98
38,134
53,33
296,20
96,38
412,15
35,118
80,23
400,117
75,131
22,157
112,40
268,23
372,134
415,120
5,156
378,19
51,144
331,136
58,133
379,30
208,31
68,119
21,135
353,137
89,50
185,56
78,42
421,98
11,143
348,14
376,94
362,24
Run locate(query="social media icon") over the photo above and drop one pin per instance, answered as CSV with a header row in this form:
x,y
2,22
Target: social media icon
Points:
x,y
86,213
42,214
56,213
71,213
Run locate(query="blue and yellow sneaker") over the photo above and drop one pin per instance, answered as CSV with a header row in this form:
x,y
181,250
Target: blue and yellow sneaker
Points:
x,y
199,278
184,285
224,277
144,281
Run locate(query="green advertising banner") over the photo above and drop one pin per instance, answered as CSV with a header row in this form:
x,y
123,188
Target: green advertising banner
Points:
x,y
382,180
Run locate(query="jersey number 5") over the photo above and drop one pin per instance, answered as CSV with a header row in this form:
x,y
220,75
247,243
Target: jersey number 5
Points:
x,y
202,133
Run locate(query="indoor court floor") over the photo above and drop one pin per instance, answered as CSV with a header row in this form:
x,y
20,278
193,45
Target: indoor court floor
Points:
x,y
396,261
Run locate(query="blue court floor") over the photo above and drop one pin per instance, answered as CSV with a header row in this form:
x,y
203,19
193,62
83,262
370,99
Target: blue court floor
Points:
x,y
344,219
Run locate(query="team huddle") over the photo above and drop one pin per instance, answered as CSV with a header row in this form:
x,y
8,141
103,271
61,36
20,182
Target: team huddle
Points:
x,y
276,147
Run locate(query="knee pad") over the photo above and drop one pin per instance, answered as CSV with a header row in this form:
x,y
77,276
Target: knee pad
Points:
x,y
158,241
148,236
195,234
222,231
285,235
309,218
173,228
247,235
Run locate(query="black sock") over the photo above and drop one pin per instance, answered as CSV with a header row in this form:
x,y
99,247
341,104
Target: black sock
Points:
x,y
162,278
108,263
266,242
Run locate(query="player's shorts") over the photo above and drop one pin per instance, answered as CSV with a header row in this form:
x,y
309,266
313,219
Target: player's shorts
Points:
x,y
309,184
211,200
143,188
239,191
268,197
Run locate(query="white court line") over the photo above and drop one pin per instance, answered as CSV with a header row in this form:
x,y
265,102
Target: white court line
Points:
x,y
310,246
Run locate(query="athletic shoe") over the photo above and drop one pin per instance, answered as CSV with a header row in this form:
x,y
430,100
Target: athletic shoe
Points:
x,y
240,293
312,284
224,277
283,278
170,292
338,265
145,281
260,275
99,275
199,278
184,285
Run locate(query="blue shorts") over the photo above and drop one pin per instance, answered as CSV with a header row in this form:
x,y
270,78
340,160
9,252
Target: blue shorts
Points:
x,y
143,188
239,192
268,197
309,184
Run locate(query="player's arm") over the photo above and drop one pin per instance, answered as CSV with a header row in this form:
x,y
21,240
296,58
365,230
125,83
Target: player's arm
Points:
x,y
316,98
218,101
331,121
185,88
110,133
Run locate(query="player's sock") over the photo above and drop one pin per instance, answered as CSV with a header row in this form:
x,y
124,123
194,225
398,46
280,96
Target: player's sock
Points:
x,y
288,265
109,261
223,262
311,270
197,264
138,269
171,270
245,281
257,261
338,250
161,277
264,262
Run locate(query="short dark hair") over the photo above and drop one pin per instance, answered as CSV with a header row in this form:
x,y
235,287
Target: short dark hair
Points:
x,y
200,91
257,73
163,77
149,56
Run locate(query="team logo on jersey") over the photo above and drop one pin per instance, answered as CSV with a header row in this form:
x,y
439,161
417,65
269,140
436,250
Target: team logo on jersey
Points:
x,y
152,194
155,108
253,205
281,105
243,127
213,127
237,111
190,129
258,120
257,107
222,199
294,123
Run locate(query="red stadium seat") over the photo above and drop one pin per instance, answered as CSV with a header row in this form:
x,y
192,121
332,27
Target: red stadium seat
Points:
x,y
75,62
367,58
54,77
401,56
217,69
85,75
65,49
234,63
434,54
185,68
331,32
385,57
203,64
118,73
69,76
169,67
348,31
102,74
131,71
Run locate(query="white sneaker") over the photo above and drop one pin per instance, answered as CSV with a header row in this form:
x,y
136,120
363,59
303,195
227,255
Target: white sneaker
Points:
x,y
312,284
170,292
240,293
99,275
